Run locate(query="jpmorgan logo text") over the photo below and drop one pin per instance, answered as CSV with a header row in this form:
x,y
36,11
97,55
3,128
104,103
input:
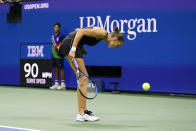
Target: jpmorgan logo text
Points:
x,y
130,27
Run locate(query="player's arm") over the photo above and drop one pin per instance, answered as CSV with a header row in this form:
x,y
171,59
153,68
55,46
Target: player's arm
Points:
x,y
91,32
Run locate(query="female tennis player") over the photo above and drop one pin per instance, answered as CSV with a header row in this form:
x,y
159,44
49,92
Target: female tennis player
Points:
x,y
72,48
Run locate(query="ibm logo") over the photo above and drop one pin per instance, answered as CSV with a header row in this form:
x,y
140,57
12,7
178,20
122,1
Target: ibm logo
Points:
x,y
35,51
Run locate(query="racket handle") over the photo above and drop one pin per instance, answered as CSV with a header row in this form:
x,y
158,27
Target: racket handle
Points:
x,y
75,63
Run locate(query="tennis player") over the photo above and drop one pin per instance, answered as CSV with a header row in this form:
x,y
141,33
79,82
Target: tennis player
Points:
x,y
72,48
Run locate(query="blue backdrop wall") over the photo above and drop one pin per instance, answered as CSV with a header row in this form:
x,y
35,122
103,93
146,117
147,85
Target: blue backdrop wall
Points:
x,y
159,48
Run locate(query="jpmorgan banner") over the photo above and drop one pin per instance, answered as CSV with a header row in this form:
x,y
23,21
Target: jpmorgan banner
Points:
x,y
159,46
129,26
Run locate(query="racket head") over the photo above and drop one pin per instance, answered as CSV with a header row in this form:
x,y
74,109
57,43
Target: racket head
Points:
x,y
91,89
90,92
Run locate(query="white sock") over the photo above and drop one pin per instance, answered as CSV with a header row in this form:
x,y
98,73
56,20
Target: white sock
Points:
x,y
56,82
62,82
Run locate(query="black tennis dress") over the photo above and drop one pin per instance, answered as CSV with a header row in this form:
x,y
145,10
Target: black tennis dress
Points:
x,y
68,41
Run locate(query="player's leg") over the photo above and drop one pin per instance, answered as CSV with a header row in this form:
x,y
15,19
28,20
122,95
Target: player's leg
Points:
x,y
81,100
84,114
83,82
56,74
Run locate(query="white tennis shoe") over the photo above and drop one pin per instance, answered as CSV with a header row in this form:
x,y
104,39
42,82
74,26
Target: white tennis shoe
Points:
x,y
61,87
54,87
87,116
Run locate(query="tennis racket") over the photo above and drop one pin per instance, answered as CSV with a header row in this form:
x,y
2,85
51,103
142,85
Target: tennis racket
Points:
x,y
91,90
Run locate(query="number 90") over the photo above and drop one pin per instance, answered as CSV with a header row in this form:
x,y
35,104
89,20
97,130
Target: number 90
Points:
x,y
31,70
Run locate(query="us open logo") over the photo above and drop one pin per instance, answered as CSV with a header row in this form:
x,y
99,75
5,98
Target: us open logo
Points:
x,y
36,6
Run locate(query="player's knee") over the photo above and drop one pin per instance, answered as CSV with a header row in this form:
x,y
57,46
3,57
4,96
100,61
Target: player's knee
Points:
x,y
83,80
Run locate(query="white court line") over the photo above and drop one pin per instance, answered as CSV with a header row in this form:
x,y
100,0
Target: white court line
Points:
x,y
18,128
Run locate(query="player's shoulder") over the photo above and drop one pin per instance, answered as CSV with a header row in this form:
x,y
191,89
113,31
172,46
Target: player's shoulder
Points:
x,y
100,29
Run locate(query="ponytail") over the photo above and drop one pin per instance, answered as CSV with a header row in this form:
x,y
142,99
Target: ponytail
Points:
x,y
117,34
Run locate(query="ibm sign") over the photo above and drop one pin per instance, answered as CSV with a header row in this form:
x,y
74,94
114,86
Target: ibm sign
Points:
x,y
35,65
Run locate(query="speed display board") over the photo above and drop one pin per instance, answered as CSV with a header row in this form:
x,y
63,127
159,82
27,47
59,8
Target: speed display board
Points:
x,y
35,65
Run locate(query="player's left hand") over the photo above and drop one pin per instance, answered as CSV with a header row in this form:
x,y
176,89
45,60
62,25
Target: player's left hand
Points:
x,y
72,54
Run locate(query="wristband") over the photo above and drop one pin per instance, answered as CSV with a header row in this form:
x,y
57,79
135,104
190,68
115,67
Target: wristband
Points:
x,y
73,48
